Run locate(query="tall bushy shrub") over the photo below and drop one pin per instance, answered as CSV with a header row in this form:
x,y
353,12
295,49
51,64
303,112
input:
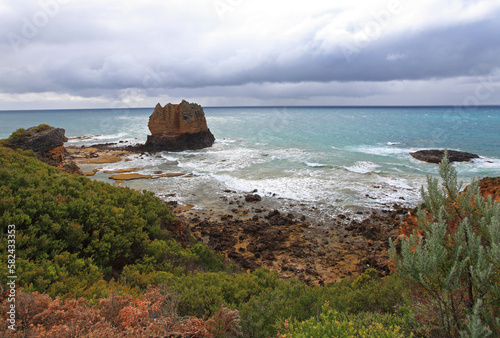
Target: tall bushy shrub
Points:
x,y
452,260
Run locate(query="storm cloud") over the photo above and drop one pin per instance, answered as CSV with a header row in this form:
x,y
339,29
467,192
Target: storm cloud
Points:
x,y
71,54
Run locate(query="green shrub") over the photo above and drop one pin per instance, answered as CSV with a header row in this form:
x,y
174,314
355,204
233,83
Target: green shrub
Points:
x,y
453,261
19,136
41,127
81,238
266,312
60,215
331,323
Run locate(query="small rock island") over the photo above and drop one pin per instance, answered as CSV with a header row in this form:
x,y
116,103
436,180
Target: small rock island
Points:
x,y
178,127
436,155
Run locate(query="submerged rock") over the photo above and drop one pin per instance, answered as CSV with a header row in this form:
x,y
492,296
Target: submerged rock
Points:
x,y
178,127
435,156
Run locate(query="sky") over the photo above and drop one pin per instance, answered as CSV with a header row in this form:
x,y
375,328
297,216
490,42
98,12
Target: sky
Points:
x,y
68,54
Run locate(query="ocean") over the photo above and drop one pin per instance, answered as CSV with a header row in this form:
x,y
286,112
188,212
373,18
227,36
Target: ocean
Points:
x,y
317,161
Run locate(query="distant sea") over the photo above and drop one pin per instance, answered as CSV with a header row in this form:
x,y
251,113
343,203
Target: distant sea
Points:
x,y
319,161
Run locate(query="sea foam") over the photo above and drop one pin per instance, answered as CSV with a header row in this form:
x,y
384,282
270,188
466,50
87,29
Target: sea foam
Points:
x,y
362,167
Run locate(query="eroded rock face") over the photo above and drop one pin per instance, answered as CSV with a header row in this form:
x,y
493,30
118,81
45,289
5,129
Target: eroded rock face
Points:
x,y
41,139
435,156
178,127
490,186
48,143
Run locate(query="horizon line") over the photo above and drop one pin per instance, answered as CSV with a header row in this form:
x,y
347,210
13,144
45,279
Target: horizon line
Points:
x,y
277,106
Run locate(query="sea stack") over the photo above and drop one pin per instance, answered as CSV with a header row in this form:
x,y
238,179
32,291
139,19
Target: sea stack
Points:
x,y
178,127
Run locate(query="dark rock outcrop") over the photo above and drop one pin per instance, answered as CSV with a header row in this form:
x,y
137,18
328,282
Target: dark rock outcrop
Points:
x,y
285,243
253,198
47,142
40,139
178,127
435,156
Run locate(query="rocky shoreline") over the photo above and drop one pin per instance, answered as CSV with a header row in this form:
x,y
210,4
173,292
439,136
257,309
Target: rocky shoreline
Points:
x,y
251,234
296,248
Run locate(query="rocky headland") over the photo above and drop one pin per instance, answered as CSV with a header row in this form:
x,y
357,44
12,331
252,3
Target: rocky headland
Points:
x,y
178,127
47,142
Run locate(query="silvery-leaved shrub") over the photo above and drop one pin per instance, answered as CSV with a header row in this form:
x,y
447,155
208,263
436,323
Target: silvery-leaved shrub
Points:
x,y
451,262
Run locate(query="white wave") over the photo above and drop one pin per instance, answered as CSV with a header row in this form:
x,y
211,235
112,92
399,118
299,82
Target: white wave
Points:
x,y
149,162
393,143
226,141
293,187
292,154
234,183
487,162
214,161
90,139
479,167
362,167
109,137
383,150
170,158
314,165
82,138
399,183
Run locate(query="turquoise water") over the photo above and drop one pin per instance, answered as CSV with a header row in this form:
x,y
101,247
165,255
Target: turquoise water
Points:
x,y
335,159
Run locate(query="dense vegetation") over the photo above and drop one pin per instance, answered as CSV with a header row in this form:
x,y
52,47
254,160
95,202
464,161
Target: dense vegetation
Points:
x,y
118,249
452,260
73,232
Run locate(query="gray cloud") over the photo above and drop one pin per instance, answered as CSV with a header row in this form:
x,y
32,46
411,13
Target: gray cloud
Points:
x,y
106,53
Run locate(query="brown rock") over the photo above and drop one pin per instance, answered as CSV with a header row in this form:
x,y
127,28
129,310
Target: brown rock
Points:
x,y
169,175
97,154
184,208
111,157
178,127
121,171
126,177
48,143
253,198
490,186
70,167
